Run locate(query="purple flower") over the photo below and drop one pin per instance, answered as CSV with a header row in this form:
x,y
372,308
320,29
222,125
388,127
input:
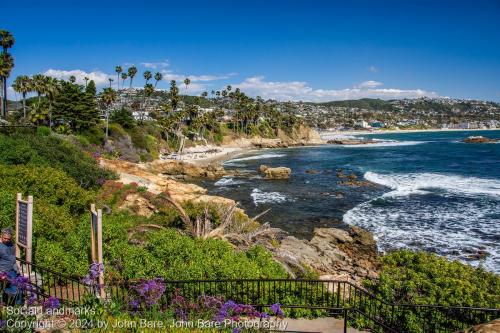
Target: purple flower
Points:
x,y
92,277
149,292
32,299
51,303
21,282
237,330
134,305
276,309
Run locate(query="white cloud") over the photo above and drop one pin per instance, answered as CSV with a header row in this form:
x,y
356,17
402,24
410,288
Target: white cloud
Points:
x,y
169,75
299,90
368,84
100,78
372,69
156,65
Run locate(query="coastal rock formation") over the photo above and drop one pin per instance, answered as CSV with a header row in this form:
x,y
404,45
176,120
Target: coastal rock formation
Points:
x,y
491,327
350,141
332,252
175,168
479,139
158,183
275,173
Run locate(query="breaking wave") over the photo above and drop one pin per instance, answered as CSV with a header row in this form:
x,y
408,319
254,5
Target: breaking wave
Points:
x,y
260,197
256,157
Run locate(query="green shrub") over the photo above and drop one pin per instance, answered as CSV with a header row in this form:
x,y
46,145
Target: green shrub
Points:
x,y
55,152
94,135
43,131
47,184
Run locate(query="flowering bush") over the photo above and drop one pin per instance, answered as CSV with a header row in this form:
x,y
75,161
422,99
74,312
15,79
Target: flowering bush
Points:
x,y
147,294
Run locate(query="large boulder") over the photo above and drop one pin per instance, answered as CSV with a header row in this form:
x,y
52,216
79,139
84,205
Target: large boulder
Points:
x,y
275,173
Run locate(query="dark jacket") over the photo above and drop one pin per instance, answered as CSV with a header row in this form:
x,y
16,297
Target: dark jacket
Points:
x,y
7,257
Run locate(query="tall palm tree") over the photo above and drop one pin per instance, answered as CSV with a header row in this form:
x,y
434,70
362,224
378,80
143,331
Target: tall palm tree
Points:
x,y
124,76
158,77
6,65
118,70
147,76
39,84
22,84
72,79
187,81
86,81
132,71
110,81
108,97
52,89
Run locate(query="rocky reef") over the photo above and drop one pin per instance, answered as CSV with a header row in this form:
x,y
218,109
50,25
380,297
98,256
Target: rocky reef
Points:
x,y
480,139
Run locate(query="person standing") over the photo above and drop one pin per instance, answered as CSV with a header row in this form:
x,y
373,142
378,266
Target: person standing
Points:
x,y
8,263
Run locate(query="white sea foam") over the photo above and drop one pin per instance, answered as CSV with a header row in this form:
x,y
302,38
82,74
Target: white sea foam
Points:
x,y
257,157
417,183
386,143
467,220
260,197
227,181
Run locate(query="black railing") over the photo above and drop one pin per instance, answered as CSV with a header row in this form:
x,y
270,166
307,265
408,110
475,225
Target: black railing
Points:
x,y
47,283
8,129
298,297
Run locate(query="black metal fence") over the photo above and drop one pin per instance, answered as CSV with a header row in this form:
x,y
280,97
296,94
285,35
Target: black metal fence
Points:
x,y
45,283
298,297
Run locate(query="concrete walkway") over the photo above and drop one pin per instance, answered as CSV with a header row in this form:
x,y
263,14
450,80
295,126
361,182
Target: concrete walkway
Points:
x,y
323,325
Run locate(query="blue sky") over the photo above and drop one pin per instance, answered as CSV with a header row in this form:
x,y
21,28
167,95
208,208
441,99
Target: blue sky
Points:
x,y
300,50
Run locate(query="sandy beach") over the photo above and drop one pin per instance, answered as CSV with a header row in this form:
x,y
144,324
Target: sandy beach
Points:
x,y
203,155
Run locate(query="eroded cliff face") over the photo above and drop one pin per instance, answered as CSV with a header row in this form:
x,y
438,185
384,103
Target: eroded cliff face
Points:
x,y
341,254
301,137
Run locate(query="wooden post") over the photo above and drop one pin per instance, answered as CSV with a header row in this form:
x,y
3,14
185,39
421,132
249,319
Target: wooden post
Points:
x,y
18,249
96,243
29,229
99,253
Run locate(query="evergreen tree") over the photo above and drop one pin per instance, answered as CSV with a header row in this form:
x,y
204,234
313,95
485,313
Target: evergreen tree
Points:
x,y
91,89
75,108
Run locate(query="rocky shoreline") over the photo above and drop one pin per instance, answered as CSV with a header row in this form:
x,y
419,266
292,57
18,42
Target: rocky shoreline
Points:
x,y
345,253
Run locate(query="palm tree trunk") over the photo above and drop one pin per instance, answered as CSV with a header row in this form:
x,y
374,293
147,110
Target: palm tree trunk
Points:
x,y
5,96
24,105
1,97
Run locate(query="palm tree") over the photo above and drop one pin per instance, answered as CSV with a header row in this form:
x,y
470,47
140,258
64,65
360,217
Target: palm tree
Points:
x,y
187,81
212,93
118,70
52,89
6,65
72,79
147,76
110,81
228,88
39,84
108,97
22,84
124,76
131,74
86,81
158,77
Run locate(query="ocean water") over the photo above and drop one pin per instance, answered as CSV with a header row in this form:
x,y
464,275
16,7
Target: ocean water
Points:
x,y
431,192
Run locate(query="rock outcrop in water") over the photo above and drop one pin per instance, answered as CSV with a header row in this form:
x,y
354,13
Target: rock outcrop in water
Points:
x,y
275,173
479,139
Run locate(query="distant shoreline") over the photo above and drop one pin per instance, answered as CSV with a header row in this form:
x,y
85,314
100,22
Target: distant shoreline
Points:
x,y
408,131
